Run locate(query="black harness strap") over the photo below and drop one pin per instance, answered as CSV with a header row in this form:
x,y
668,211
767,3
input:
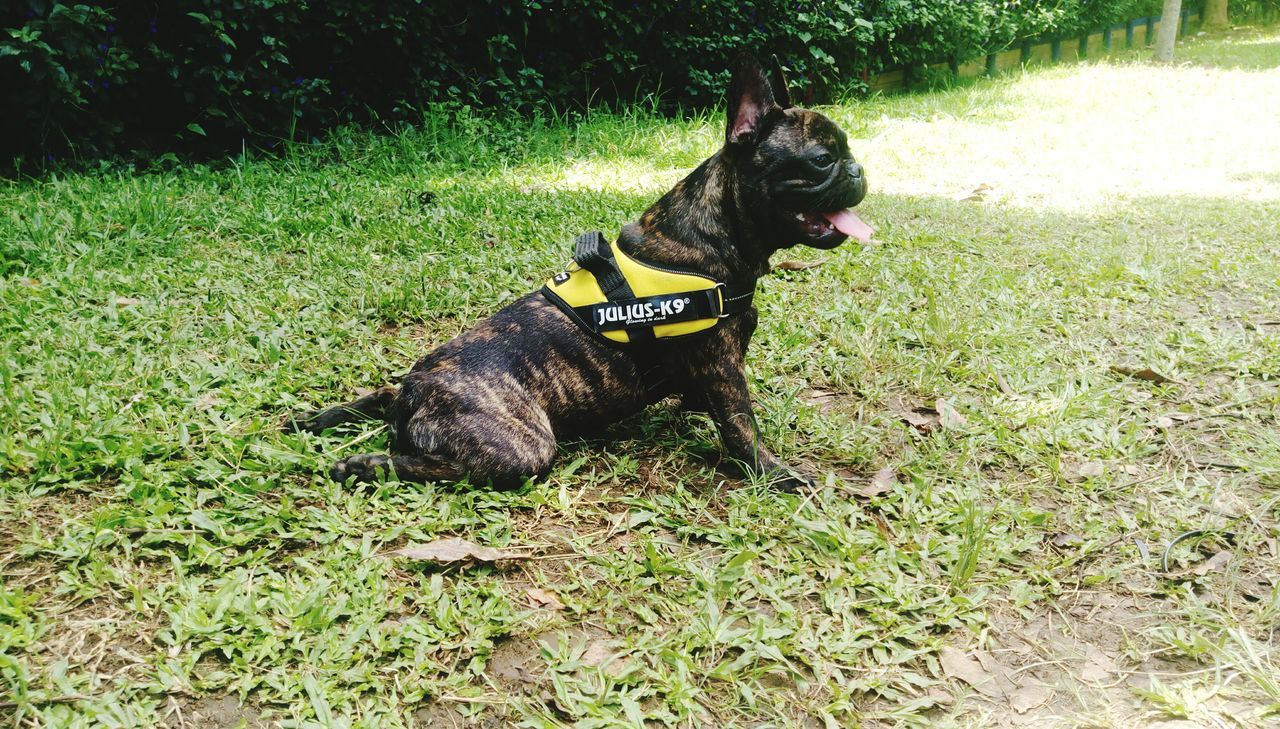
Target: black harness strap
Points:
x,y
593,253
737,299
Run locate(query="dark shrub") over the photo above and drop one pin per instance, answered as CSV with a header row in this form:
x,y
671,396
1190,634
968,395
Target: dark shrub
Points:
x,y
108,78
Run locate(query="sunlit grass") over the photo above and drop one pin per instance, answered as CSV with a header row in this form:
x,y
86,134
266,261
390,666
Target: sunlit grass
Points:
x,y
1085,134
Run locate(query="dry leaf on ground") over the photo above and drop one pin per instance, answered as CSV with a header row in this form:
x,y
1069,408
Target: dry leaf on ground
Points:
x,y
797,265
1095,469
1145,373
1025,698
1164,422
977,194
948,416
1090,469
985,674
820,399
923,419
1098,666
1063,540
544,598
597,652
936,697
884,481
994,680
1216,563
453,549
123,301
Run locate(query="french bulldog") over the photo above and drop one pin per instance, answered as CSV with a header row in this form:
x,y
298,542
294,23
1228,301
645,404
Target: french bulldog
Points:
x,y
489,406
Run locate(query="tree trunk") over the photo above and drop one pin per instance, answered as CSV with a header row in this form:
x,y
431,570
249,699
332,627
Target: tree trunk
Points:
x,y
1170,17
1214,15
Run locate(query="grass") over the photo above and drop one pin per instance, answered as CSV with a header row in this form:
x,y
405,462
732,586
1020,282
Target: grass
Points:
x,y
168,557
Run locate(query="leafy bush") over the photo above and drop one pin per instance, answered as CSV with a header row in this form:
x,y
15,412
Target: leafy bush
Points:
x,y
208,75
1251,10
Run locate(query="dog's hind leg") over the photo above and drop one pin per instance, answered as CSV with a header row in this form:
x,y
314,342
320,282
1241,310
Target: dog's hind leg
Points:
x,y
497,441
500,445
431,468
370,407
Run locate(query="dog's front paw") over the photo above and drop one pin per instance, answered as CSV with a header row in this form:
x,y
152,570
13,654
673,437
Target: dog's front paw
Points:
x,y
308,421
362,468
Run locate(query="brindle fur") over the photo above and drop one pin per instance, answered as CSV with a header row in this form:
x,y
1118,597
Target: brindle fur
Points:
x,y
490,404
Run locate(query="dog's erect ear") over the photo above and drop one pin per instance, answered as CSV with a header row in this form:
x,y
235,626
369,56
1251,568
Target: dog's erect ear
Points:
x,y
750,98
778,83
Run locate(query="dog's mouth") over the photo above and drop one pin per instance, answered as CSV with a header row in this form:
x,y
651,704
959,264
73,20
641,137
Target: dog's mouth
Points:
x,y
827,230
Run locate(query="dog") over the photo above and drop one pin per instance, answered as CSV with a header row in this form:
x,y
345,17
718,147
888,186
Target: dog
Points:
x,y
489,406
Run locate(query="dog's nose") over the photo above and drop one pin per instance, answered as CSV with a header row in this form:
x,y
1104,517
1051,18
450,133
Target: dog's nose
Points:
x,y
855,169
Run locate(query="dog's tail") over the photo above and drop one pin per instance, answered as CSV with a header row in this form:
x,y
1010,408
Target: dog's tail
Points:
x,y
370,406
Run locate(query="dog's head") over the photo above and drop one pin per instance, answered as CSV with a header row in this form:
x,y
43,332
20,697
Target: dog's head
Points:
x,y
796,174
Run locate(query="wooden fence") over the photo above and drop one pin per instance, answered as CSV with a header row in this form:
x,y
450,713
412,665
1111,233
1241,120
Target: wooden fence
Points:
x,y
1136,32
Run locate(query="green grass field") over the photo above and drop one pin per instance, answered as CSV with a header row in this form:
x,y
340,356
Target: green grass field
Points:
x,y
1061,354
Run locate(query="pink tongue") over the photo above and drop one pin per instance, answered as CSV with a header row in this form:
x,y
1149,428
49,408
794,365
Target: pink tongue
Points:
x,y
847,222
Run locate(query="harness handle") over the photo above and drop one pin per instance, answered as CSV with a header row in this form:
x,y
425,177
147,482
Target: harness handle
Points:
x,y
592,252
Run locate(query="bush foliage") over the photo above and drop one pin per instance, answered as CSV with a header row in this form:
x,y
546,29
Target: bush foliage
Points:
x,y
1254,10
186,75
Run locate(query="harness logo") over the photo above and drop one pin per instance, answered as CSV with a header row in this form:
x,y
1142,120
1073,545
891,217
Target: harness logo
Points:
x,y
640,312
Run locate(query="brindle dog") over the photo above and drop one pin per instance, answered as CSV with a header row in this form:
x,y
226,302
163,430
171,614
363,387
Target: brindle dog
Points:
x,y
489,405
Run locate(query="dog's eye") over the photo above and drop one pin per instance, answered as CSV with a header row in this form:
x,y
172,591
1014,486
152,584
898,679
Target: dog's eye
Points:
x,y
822,161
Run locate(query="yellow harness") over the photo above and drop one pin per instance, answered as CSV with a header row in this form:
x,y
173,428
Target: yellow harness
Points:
x,y
626,301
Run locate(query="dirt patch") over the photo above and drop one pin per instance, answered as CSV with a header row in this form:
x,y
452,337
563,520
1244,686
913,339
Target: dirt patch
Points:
x,y
441,715
516,667
515,664
447,715
1079,653
1086,662
99,637
46,514
212,712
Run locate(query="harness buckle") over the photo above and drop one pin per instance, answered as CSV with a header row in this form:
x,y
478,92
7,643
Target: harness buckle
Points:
x,y
720,289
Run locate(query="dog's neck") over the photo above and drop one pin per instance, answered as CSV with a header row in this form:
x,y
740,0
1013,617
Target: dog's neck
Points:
x,y
702,223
